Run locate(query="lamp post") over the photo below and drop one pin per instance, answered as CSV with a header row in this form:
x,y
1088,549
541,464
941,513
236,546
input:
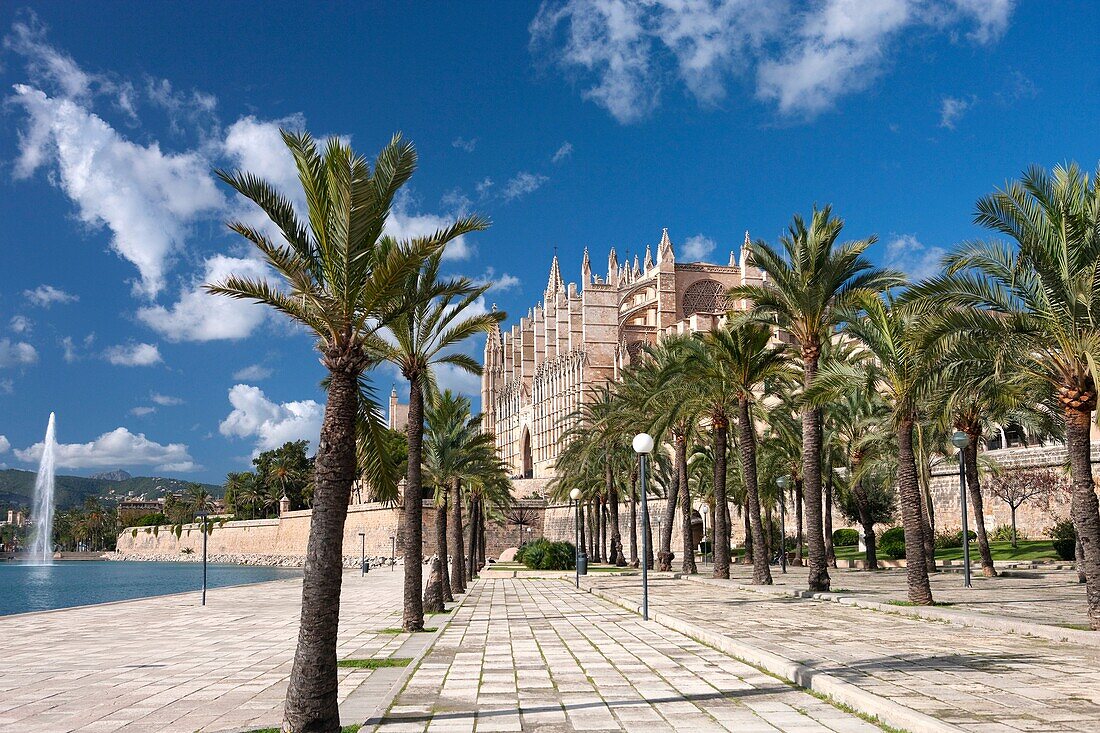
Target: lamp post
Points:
x,y
783,482
579,558
202,518
704,510
393,551
643,446
362,554
961,440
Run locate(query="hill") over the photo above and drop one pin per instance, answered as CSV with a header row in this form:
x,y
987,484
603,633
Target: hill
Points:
x,y
17,488
118,475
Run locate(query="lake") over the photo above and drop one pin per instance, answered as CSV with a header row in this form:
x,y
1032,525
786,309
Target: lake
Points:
x,y
26,588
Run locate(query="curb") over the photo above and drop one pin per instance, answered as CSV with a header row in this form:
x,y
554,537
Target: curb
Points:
x,y
841,691
926,613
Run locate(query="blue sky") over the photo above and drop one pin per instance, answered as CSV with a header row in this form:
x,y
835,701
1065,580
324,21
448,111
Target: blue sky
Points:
x,y
571,124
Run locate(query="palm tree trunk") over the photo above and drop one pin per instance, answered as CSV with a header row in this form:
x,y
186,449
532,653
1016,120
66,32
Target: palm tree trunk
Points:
x,y
471,563
811,474
1083,505
458,568
799,537
581,520
412,519
916,572
664,557
1079,560
974,488
311,702
721,526
601,524
441,550
767,537
481,540
759,552
688,565
830,552
617,558
749,556
648,529
633,518
866,521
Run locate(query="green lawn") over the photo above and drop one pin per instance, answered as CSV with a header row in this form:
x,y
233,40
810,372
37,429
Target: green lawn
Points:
x,y
1027,550
374,663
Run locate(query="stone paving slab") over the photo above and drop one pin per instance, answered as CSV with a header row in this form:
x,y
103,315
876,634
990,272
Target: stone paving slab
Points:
x,y
168,664
527,655
979,680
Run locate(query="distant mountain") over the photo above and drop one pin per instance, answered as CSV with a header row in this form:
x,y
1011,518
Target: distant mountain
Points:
x,y
118,475
17,488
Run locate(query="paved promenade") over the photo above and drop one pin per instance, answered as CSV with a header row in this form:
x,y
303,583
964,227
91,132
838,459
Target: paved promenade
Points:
x,y
537,655
168,664
982,681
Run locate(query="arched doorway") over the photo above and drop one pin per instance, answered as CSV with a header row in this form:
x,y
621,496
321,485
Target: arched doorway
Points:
x,y
525,453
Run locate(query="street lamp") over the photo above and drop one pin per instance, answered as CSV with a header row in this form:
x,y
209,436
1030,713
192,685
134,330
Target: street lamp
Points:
x,y
704,510
363,570
579,557
783,482
643,446
961,440
202,517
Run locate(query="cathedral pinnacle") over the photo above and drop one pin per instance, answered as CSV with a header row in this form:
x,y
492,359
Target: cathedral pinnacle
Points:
x,y
648,258
555,284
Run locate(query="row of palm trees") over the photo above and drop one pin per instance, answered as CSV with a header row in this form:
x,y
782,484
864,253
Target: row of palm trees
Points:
x,y
850,381
369,299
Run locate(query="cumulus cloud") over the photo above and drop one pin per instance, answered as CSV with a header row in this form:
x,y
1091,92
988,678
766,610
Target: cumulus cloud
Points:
x,y
268,423
5,445
562,152
801,56
133,355
16,353
200,316
165,400
21,324
405,223
522,184
951,109
464,144
47,295
697,248
501,282
117,448
907,253
252,373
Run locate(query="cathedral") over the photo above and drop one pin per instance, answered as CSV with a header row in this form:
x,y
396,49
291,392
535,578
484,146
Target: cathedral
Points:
x,y
577,338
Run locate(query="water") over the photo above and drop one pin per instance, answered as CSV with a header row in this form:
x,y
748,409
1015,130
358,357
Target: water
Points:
x,y
25,587
42,540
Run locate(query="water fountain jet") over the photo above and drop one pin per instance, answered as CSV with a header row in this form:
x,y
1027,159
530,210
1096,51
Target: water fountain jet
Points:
x,y
42,538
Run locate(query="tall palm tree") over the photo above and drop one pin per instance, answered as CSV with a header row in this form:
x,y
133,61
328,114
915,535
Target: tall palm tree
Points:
x,y
436,318
340,277
1040,297
900,371
808,286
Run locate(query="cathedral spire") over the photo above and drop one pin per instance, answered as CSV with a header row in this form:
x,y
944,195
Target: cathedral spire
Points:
x,y
612,267
555,284
745,250
648,259
586,269
664,249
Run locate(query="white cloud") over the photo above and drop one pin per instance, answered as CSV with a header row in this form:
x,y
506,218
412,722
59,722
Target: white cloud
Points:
x,y
5,445
802,56
252,373
270,424
47,295
133,355
21,324
457,380
143,411
6,386
200,316
907,253
562,152
16,353
165,400
117,448
523,183
406,224
484,185
697,248
463,144
951,109
146,197
502,282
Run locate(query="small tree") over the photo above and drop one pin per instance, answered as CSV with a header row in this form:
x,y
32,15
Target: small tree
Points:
x,y
1016,487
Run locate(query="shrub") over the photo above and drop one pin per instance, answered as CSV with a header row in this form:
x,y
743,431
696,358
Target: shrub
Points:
x,y
845,538
945,540
1003,533
892,543
1064,538
542,554
150,520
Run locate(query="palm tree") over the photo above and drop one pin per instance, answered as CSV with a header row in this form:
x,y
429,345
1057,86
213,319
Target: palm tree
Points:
x,y
900,371
341,276
807,288
435,319
1040,298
